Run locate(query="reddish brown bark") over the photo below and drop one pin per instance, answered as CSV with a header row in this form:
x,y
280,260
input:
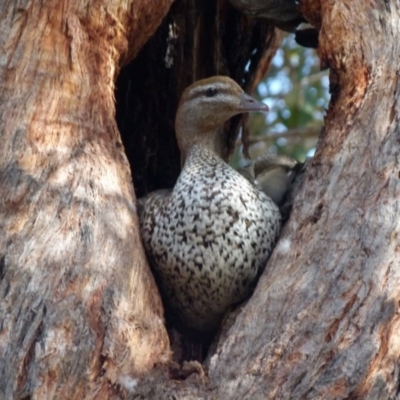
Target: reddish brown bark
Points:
x,y
79,307
323,322
80,315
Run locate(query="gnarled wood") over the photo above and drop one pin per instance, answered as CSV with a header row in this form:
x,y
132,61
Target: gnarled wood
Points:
x,y
79,309
80,314
324,322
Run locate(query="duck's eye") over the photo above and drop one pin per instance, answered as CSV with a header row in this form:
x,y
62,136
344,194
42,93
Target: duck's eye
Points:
x,y
211,92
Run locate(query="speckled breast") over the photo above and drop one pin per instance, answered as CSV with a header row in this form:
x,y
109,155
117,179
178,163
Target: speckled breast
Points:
x,y
209,240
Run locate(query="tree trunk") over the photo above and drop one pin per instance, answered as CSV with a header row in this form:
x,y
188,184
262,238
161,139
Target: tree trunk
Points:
x,y
80,316
79,309
324,321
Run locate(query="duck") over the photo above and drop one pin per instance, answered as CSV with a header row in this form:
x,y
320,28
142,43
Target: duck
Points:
x,y
208,238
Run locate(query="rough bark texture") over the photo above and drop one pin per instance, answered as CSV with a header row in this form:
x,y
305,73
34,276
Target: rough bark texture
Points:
x,y
80,316
79,310
324,321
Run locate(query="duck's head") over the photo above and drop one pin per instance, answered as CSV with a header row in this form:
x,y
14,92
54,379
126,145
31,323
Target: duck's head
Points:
x,y
205,106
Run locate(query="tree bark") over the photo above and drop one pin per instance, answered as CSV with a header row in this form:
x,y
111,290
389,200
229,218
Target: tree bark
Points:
x,y
324,320
80,316
79,309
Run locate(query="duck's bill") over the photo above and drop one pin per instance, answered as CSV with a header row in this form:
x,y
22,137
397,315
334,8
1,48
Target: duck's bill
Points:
x,y
248,103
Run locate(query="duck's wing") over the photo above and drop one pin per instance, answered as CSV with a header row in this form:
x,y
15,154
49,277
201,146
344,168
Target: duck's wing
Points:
x,y
148,208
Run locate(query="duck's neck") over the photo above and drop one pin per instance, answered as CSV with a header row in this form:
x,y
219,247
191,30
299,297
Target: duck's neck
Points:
x,y
200,151
202,142
200,161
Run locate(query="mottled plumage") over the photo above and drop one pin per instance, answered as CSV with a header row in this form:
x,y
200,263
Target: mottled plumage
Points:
x,y
210,237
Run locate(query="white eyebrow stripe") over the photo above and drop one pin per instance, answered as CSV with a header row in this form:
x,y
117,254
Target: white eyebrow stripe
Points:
x,y
220,98
218,85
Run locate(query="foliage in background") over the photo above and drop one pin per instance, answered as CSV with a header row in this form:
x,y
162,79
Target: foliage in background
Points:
x,y
297,93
